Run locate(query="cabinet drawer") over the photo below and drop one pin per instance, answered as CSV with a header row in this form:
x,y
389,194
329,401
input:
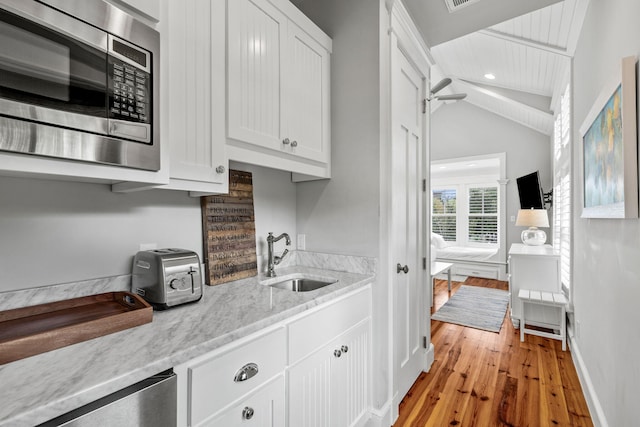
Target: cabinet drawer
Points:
x,y
318,328
263,408
211,381
477,271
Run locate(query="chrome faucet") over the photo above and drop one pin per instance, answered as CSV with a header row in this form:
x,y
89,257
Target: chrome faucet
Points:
x,y
275,260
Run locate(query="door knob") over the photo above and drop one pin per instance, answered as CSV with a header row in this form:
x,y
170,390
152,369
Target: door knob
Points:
x,y
400,268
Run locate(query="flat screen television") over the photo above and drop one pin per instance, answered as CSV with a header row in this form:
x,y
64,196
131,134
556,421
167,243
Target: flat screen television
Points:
x,y
530,191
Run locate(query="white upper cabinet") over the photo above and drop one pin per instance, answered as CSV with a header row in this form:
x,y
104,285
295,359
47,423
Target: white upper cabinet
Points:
x,y
278,87
193,94
308,89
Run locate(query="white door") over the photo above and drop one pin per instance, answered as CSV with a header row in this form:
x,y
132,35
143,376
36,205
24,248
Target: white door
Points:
x,y
410,314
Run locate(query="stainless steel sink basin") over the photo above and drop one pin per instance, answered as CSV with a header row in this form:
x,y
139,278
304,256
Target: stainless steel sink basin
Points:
x,y
302,285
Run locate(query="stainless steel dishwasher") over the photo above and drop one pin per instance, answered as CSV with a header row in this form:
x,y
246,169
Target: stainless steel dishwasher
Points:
x,y
149,403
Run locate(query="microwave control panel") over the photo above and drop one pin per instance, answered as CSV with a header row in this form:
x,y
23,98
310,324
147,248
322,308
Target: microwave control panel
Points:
x,y
129,92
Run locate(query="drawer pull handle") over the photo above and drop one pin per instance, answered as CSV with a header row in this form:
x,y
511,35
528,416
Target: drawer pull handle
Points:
x,y
337,353
344,348
246,372
247,413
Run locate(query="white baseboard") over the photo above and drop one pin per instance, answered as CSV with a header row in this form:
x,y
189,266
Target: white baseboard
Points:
x,y
431,357
381,417
590,395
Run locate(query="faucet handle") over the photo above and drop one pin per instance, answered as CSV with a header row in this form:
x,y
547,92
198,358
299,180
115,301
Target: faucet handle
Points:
x,y
277,259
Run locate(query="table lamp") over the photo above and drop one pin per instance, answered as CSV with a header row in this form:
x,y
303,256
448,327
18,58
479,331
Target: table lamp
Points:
x,y
533,218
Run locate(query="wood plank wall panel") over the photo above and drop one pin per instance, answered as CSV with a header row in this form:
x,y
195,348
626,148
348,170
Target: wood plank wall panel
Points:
x,y
229,231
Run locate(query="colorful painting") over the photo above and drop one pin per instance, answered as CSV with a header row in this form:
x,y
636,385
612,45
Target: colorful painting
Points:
x,y
604,156
610,148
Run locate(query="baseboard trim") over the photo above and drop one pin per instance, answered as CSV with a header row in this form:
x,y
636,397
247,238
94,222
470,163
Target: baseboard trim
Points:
x,y
430,356
381,417
595,409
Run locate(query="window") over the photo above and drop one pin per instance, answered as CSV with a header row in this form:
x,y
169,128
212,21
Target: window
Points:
x,y
562,187
483,215
466,214
444,214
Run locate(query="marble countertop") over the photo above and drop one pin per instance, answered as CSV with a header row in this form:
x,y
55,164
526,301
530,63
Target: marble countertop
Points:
x,y
44,386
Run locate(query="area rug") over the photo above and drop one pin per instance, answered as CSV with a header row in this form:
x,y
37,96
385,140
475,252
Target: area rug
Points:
x,y
475,307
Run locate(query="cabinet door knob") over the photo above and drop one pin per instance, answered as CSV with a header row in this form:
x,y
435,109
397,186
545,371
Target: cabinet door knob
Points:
x,y
285,141
400,268
246,372
337,353
294,143
221,169
344,348
247,413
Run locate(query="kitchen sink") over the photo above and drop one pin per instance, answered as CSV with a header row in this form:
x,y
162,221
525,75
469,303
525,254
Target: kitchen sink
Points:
x,y
302,284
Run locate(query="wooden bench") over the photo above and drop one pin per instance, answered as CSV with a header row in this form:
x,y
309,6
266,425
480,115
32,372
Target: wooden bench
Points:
x,y
550,299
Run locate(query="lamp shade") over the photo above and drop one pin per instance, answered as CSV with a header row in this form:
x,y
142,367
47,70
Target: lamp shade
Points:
x,y
532,218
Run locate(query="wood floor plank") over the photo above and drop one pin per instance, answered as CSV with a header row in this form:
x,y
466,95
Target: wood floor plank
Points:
x,y
480,378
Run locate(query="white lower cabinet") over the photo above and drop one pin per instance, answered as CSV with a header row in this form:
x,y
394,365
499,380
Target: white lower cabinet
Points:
x,y
212,386
263,408
312,370
331,386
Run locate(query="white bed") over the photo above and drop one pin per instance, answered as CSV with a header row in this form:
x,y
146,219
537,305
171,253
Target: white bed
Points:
x,y
466,253
468,260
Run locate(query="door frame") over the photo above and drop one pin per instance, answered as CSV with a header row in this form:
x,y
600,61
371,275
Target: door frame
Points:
x,y
400,33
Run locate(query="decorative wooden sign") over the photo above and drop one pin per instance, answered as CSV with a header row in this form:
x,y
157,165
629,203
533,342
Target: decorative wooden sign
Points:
x,y
229,231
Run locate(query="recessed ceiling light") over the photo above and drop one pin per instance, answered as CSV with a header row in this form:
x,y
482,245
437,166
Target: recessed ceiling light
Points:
x,y
443,167
471,165
489,76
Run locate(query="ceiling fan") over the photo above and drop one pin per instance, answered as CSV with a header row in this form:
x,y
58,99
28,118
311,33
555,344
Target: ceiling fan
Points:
x,y
441,85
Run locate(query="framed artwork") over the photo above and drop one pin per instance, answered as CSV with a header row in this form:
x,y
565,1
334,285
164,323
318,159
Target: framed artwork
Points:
x,y
610,149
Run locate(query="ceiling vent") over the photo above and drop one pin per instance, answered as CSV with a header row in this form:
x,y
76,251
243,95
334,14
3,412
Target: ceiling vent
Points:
x,y
456,5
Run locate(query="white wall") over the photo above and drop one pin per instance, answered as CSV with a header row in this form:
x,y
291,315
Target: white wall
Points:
x,y
56,232
342,215
460,130
606,271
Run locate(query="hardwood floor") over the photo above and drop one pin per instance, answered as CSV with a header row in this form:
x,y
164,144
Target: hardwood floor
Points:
x,y
484,379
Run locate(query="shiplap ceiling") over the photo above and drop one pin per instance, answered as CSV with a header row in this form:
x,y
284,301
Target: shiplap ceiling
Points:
x,y
530,56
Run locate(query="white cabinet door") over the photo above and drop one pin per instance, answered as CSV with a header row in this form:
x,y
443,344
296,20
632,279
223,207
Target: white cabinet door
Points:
x,y
331,386
256,45
350,377
279,87
193,91
264,408
307,100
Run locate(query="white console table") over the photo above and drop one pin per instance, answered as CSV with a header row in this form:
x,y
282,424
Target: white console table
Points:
x,y
534,268
437,268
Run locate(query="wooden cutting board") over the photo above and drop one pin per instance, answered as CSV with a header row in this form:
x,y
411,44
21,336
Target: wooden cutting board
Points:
x,y
229,231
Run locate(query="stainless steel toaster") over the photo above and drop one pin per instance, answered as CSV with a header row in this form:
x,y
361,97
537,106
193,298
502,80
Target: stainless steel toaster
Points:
x,y
167,277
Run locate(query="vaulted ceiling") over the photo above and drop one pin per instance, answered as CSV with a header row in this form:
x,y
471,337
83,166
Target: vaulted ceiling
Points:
x,y
526,45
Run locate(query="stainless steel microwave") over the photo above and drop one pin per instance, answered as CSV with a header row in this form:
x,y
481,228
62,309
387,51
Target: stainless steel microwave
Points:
x,y
79,80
